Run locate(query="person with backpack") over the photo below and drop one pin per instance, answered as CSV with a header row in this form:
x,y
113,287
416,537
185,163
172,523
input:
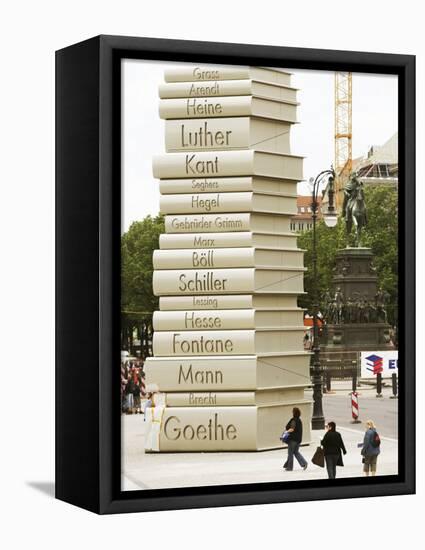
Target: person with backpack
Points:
x,y
370,449
295,435
333,444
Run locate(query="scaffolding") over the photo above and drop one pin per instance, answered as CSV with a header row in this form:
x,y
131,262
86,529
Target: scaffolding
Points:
x,y
343,132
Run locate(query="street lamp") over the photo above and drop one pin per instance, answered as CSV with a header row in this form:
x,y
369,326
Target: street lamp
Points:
x,y
330,218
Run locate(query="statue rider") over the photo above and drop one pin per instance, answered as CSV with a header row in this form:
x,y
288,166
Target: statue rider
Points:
x,y
349,191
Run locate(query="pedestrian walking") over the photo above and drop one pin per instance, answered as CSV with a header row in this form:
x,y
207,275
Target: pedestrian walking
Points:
x,y
137,391
124,375
129,392
370,448
295,429
332,444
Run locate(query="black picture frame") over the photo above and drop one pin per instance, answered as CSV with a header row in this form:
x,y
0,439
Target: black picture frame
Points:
x,y
88,134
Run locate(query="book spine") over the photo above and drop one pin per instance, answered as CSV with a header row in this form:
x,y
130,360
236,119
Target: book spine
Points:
x,y
209,258
227,185
214,281
204,134
212,342
172,303
241,106
205,89
204,164
200,240
279,92
209,429
239,239
210,399
227,163
209,223
226,319
235,398
204,258
227,134
208,203
202,373
205,107
203,320
206,185
202,74
226,342
170,282
227,222
229,372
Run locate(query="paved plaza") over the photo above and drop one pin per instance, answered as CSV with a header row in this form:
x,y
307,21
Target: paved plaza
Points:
x,y
165,470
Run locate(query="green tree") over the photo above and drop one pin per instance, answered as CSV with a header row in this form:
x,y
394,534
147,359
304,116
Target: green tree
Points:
x,y
380,234
137,246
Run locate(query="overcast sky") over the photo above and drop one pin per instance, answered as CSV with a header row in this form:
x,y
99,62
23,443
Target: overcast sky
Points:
x,y
374,122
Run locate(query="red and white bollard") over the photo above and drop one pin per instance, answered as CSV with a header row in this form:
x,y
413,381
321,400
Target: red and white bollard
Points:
x,y
355,408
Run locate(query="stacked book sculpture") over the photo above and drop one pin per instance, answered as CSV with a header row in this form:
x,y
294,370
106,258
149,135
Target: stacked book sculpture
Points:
x,y
228,355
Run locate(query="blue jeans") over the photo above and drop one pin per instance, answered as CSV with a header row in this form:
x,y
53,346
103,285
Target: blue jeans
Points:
x,y
331,461
130,401
293,450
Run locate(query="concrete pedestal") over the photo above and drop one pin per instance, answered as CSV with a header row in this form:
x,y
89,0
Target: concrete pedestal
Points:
x,y
361,324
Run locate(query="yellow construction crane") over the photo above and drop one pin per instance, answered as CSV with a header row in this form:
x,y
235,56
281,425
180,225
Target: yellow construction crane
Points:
x,y
343,132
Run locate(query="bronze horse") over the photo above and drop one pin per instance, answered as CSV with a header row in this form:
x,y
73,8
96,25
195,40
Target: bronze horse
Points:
x,y
356,213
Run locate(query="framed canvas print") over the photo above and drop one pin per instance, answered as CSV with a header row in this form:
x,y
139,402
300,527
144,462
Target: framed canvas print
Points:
x,y
235,274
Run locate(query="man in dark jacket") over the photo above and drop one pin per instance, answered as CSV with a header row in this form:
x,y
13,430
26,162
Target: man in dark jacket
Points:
x,y
295,429
332,444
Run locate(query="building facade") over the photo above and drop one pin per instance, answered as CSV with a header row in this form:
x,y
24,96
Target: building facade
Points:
x,y
303,220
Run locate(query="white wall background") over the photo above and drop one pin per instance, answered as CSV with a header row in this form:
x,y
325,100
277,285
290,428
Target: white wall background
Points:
x,y
30,32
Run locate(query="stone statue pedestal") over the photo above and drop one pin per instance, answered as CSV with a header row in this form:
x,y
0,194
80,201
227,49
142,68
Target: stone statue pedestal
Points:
x,y
360,323
354,272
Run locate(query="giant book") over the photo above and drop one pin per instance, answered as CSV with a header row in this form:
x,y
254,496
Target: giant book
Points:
x,y
227,134
235,428
206,258
227,185
227,281
230,301
207,203
227,222
235,398
227,342
227,163
172,241
228,107
226,319
200,74
263,371
256,88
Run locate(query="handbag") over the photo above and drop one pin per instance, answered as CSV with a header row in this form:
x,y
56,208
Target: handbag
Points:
x,y
319,457
285,437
